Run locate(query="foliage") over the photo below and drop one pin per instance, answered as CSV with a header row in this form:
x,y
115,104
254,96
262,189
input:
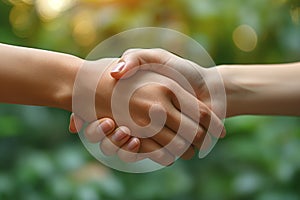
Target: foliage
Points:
x,y
257,160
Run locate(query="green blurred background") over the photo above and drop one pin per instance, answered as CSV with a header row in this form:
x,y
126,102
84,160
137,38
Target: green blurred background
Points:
x,y
259,158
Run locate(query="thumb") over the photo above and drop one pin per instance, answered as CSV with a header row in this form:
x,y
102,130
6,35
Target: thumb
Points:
x,y
124,69
147,59
75,124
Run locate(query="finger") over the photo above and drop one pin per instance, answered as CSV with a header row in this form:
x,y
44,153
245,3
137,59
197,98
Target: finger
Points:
x,y
205,116
155,152
132,60
189,154
175,144
199,137
183,126
76,123
141,56
207,142
129,151
165,137
113,142
118,70
97,130
193,133
147,149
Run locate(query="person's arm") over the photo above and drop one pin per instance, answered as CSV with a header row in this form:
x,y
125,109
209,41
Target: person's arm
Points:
x,y
37,77
262,89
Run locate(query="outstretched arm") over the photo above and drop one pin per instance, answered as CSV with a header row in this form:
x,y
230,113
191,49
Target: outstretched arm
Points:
x,y
262,89
37,77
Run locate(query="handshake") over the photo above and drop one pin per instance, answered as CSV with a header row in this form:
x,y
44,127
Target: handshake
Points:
x,y
149,103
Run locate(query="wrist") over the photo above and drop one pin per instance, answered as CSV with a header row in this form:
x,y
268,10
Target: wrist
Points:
x,y
64,94
236,90
90,96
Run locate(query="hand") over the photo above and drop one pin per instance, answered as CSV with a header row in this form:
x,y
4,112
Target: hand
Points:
x,y
158,60
134,59
140,103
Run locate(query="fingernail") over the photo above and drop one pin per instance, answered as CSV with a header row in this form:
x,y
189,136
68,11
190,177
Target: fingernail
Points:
x,y
223,134
118,136
133,144
119,67
105,126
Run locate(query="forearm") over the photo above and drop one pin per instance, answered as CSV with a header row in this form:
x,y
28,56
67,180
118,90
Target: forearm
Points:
x,y
37,77
262,89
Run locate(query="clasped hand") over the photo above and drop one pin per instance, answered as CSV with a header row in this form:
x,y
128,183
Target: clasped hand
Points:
x,y
148,104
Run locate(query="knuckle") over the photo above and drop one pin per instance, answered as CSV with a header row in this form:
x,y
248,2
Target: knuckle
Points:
x,y
159,50
93,135
180,147
142,121
198,137
129,51
88,130
167,88
204,113
108,148
159,155
189,154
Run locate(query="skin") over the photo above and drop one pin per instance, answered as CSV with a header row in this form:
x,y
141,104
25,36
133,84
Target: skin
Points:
x,y
121,139
44,78
36,77
250,89
161,139
262,89
140,104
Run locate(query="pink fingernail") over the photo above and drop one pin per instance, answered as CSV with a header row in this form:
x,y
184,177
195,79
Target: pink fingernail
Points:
x,y
223,134
118,135
118,68
105,126
133,144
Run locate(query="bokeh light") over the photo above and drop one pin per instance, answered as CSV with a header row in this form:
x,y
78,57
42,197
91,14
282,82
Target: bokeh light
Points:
x,y
245,38
14,2
84,28
295,14
20,20
50,9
